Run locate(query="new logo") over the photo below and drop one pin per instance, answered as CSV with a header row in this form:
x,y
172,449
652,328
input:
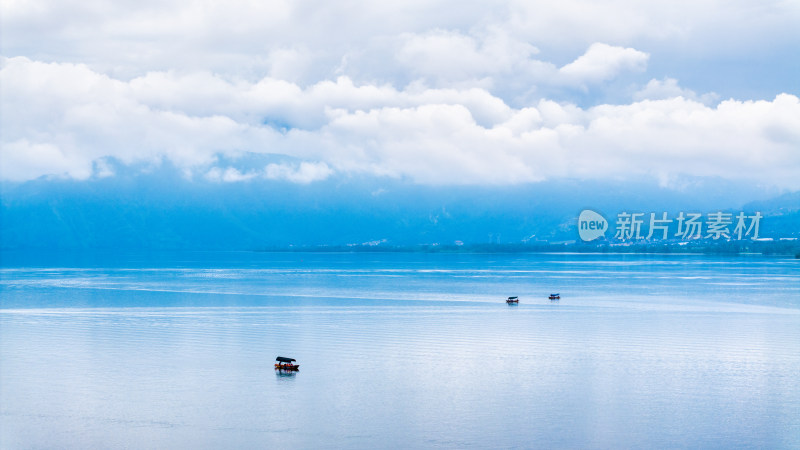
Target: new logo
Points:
x,y
591,225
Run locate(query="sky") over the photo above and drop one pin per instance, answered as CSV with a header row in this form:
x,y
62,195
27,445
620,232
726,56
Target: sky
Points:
x,y
432,93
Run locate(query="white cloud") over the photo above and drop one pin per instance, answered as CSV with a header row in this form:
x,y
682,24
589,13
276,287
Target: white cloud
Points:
x,y
439,144
229,175
447,57
290,64
681,136
62,119
603,62
102,168
448,43
432,144
23,160
692,27
87,116
669,88
304,173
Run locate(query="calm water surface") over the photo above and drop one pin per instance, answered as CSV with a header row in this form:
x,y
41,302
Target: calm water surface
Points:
x,y
399,351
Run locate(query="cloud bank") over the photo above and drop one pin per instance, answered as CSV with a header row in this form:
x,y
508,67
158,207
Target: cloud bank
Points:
x,y
518,93
59,119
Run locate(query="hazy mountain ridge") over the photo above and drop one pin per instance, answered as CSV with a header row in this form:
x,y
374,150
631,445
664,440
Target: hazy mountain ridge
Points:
x,y
165,212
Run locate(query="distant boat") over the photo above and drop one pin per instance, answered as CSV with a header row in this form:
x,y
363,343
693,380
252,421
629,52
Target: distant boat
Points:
x,y
286,364
555,296
512,300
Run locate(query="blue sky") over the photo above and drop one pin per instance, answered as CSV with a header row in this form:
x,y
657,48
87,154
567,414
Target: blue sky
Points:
x,y
433,93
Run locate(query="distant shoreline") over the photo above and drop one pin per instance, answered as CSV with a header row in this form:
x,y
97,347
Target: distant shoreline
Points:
x,y
783,248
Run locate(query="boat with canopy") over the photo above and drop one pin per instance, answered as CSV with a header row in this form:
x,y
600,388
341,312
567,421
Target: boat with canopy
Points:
x,y
286,363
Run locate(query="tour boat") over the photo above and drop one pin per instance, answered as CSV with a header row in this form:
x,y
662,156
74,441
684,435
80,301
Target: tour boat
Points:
x,y
512,300
286,364
555,296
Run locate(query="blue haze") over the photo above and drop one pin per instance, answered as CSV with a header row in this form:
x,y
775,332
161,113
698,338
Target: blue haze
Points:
x,y
161,210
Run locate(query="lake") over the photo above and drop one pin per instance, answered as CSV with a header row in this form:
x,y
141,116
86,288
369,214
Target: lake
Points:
x,y
405,350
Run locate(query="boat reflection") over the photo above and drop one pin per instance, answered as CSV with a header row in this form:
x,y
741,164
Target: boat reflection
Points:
x,y
285,373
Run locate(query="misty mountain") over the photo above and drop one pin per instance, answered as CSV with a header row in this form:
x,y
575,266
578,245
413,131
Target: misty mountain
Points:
x,y
159,210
